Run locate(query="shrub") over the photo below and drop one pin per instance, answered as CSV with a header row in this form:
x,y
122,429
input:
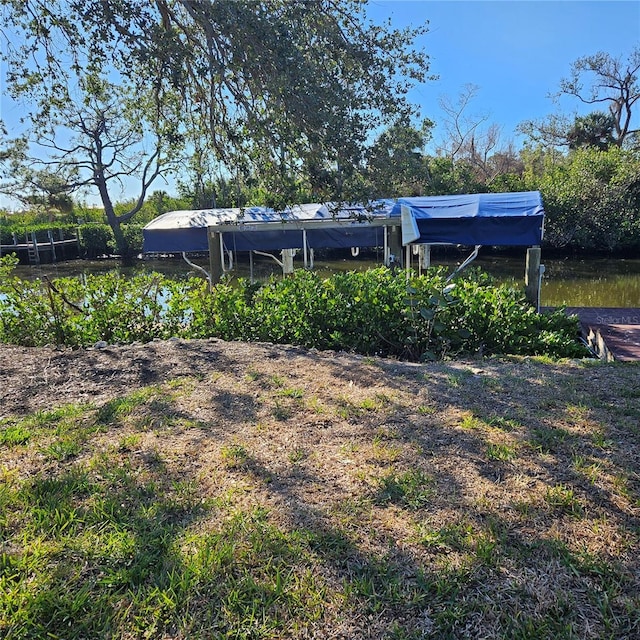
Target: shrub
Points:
x,y
133,235
96,240
374,313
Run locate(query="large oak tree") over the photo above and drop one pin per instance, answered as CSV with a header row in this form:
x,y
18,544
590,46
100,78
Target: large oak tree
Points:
x,y
276,85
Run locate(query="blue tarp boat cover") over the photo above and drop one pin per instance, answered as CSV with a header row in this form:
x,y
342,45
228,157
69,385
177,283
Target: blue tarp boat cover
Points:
x,y
178,231
491,219
494,219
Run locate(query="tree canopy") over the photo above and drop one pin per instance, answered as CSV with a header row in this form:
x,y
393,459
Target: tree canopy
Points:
x,y
601,80
270,87
277,85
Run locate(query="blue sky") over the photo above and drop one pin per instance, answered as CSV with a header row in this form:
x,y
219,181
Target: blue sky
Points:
x,y
516,53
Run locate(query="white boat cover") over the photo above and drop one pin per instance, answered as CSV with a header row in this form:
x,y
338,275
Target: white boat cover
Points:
x,y
496,219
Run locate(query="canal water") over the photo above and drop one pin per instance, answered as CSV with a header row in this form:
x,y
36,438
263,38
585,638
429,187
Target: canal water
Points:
x,y
597,282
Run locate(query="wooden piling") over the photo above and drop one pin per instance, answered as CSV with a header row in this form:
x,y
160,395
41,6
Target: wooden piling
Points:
x,y
215,256
395,244
532,276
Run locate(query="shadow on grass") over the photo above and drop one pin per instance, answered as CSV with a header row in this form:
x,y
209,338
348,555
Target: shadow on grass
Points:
x,y
421,546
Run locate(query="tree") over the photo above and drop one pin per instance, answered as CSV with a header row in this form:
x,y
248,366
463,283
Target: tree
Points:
x,y
470,143
549,132
599,79
593,130
42,189
446,177
592,198
279,85
603,79
100,140
460,127
396,164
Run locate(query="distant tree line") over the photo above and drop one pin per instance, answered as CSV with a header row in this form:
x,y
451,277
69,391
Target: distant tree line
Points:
x,y
591,196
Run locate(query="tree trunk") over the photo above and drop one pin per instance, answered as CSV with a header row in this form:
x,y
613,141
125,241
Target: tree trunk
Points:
x,y
122,246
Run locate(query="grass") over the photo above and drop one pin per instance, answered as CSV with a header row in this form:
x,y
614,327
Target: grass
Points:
x,y
412,489
548,439
500,452
234,455
11,436
158,515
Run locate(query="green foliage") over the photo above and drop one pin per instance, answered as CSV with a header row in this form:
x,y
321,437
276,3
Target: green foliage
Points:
x,y
72,313
7,265
447,176
412,489
591,197
374,313
96,240
614,82
396,166
133,235
13,435
498,319
303,85
24,226
593,130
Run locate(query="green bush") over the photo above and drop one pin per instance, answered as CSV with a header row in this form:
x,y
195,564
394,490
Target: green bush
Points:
x,y
6,235
375,312
96,240
591,198
23,231
133,235
498,319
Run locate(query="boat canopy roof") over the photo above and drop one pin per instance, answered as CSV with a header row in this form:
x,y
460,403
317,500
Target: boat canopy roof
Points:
x,y
326,225
498,219
514,219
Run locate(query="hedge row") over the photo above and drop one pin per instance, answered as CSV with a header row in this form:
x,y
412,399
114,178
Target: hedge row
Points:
x,y
374,313
94,239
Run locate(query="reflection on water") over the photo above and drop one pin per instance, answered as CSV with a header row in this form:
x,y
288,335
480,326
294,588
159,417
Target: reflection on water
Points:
x,y
580,283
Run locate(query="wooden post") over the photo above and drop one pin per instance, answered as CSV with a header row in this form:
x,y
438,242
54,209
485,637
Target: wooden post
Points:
x,y
61,236
425,256
215,256
395,244
53,246
532,277
34,254
287,261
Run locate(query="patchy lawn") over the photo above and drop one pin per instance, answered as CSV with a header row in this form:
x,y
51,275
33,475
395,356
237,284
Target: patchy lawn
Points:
x,y
204,489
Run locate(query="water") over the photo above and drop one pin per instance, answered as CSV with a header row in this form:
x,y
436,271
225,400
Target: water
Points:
x,y
598,282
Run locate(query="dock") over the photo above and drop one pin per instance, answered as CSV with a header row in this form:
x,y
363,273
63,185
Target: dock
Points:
x,y
613,333
36,251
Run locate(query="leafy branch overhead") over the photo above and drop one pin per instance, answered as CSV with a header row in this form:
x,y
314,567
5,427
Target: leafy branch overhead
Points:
x,y
283,84
131,89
